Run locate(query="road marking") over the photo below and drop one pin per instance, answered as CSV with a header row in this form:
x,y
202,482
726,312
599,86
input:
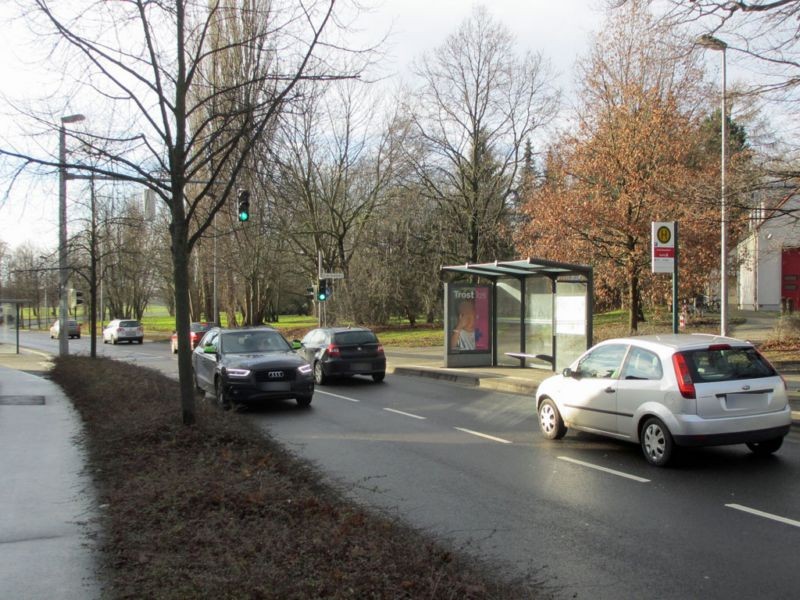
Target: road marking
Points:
x,y
483,435
604,469
405,414
337,396
766,515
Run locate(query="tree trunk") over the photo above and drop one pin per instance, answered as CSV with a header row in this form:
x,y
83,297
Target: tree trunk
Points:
x,y
633,298
180,265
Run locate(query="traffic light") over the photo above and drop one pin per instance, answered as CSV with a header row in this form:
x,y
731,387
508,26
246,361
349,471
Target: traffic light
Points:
x,y
311,291
244,205
78,297
322,291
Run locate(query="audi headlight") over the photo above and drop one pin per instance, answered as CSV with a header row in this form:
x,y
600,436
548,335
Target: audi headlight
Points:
x,y
237,372
305,369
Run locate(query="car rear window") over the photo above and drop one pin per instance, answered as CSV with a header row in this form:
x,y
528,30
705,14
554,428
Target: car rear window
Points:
x,y
129,323
354,337
200,327
727,364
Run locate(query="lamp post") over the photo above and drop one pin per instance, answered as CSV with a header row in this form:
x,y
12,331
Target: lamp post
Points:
x,y
712,43
63,340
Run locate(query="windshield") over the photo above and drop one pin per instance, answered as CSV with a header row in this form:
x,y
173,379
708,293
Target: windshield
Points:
x,y
248,342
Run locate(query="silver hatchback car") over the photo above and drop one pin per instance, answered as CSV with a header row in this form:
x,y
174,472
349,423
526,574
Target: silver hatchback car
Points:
x,y
663,391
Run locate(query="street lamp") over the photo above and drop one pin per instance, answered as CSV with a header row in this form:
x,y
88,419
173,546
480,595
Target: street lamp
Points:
x,y
63,340
712,43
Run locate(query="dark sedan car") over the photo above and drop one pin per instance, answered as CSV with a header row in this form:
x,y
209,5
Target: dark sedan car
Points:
x,y
340,351
252,364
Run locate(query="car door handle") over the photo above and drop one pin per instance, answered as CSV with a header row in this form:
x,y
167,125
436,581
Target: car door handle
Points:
x,y
609,390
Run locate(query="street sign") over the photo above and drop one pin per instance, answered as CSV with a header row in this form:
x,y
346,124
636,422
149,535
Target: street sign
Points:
x,y
663,247
324,275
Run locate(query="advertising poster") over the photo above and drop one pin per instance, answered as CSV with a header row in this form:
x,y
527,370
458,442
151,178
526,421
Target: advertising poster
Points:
x,y
469,315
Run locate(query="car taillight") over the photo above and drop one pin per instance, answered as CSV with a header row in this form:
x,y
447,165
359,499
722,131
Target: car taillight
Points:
x,y
333,350
685,384
380,348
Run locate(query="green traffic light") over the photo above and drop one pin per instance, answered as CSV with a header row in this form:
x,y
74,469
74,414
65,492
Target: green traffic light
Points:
x,y
244,216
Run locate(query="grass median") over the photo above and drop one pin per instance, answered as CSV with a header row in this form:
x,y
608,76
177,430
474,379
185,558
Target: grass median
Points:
x,y
220,510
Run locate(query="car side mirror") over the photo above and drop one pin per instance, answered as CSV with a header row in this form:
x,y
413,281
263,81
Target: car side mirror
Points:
x,y
296,345
569,373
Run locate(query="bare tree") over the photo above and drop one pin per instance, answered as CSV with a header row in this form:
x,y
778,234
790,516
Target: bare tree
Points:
x,y
478,104
151,61
334,165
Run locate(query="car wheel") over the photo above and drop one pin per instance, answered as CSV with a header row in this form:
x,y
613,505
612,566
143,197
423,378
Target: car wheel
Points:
x,y
78,337
378,377
114,341
766,447
656,441
222,398
174,348
550,421
140,340
304,401
319,374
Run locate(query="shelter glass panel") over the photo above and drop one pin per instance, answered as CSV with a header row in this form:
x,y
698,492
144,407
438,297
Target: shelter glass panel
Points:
x,y
539,319
570,322
509,324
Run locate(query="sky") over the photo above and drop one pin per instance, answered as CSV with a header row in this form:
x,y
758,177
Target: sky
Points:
x,y
559,29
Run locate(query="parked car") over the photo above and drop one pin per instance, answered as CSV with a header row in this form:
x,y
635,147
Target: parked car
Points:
x,y
250,364
73,329
123,330
664,391
343,351
196,332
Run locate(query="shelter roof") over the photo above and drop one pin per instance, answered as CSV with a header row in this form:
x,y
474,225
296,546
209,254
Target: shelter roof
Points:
x,y
520,268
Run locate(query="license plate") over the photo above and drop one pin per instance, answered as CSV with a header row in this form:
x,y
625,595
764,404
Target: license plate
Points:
x,y
278,386
362,367
742,401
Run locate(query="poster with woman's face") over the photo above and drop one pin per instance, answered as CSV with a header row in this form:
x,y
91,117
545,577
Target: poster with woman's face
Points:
x,y
468,325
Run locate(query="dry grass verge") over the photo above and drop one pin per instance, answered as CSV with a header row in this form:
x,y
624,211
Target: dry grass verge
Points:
x,y
219,510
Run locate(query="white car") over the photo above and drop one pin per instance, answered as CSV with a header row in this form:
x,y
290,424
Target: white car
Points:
x,y
73,329
663,391
123,330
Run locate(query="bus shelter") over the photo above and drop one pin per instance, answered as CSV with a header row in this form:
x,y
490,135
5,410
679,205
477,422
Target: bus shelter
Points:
x,y
9,321
522,313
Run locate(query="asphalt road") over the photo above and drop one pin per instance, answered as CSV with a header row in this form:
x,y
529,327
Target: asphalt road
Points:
x,y
585,515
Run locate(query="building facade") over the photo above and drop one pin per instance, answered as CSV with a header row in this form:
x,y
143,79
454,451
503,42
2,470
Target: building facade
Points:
x,y
768,274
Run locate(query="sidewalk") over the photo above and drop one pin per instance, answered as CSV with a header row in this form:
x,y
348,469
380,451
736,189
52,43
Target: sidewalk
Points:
x,y
44,505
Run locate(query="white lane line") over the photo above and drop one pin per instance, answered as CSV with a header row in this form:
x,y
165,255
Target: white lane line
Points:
x,y
337,396
483,435
405,414
766,515
604,469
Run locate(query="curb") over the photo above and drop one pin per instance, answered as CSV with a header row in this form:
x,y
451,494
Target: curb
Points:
x,y
433,373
